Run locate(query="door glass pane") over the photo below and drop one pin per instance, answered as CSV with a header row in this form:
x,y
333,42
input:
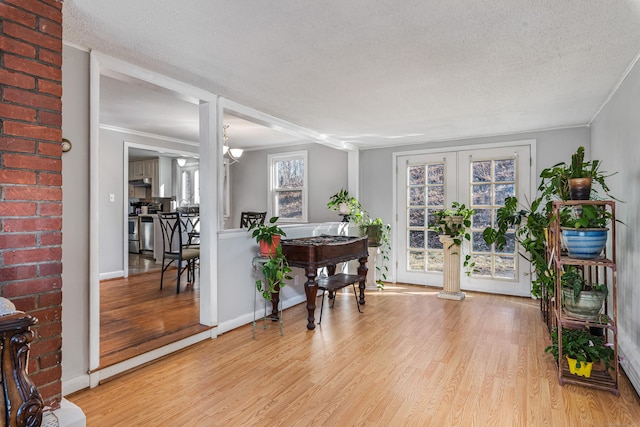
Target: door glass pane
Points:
x,y
492,181
426,192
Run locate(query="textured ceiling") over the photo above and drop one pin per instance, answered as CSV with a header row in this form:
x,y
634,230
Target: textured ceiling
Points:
x,y
380,72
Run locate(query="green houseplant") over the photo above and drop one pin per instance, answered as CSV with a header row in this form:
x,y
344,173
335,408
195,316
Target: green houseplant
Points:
x,y
345,204
584,230
581,298
454,223
580,347
267,235
529,224
375,229
275,271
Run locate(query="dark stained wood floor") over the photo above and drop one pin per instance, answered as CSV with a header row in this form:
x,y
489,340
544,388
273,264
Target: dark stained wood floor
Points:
x,y
136,316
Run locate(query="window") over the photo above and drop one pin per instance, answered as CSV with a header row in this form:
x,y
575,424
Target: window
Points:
x,y
189,188
288,186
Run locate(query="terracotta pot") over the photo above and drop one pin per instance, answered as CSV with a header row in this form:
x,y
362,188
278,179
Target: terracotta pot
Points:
x,y
266,249
580,188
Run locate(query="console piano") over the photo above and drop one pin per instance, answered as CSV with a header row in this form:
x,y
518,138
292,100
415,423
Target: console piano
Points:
x,y
316,252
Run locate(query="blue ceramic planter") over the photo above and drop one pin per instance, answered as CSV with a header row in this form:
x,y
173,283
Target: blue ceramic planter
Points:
x,y
585,243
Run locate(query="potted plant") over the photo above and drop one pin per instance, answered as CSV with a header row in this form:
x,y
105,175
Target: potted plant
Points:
x,y
275,271
345,204
581,298
375,229
584,230
267,236
529,225
581,349
454,222
378,234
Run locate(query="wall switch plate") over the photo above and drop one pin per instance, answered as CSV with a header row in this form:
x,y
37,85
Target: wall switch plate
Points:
x,y
112,198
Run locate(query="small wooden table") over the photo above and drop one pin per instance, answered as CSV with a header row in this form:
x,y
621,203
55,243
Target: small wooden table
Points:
x,y
316,252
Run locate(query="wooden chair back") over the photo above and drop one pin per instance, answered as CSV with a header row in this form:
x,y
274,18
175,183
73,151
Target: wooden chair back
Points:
x,y
247,219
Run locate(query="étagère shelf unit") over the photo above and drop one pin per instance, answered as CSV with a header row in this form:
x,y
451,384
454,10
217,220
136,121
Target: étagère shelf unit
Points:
x,y
601,270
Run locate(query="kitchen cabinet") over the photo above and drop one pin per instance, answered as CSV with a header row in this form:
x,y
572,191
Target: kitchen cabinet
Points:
x,y
159,170
161,183
139,169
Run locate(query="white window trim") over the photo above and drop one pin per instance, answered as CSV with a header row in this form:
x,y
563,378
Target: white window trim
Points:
x,y
271,159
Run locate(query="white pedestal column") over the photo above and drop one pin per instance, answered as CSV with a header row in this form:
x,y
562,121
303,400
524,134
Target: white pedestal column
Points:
x,y
371,266
451,285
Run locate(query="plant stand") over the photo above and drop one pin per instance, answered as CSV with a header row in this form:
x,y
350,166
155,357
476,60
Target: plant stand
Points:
x,y
371,265
601,270
451,284
276,313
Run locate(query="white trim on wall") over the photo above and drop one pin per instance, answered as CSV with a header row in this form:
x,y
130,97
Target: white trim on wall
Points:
x,y
104,65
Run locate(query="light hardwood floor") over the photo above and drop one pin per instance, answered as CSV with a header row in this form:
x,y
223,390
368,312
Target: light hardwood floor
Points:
x,y
409,359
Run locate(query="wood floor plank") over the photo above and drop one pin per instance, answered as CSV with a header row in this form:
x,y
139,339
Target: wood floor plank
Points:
x,y
408,359
136,316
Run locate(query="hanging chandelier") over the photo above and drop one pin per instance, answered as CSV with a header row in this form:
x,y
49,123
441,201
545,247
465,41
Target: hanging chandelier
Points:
x,y
232,153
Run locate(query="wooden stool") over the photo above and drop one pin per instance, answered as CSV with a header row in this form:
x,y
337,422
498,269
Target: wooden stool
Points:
x,y
338,281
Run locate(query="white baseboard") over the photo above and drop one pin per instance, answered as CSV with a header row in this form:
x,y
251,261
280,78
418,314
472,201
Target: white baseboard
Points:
x,y
111,275
630,360
248,318
68,415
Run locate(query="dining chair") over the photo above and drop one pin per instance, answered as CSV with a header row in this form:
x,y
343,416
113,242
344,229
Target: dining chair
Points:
x,y
190,229
247,219
173,248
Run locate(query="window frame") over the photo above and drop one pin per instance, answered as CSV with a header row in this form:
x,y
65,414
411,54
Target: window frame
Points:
x,y
272,160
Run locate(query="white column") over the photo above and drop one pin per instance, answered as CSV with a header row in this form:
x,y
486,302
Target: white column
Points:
x,y
371,266
451,284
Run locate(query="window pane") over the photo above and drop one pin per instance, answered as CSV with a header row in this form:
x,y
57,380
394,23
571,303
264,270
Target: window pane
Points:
x,y
435,261
481,171
505,170
416,261
290,173
289,204
416,196
503,191
416,217
416,175
481,194
436,173
482,266
481,218
416,239
436,196
196,182
434,240
505,267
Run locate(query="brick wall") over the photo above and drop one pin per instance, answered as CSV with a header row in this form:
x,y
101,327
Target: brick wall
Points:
x,y
31,177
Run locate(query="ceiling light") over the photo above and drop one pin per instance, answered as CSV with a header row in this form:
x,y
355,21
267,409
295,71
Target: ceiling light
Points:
x,y
181,161
232,153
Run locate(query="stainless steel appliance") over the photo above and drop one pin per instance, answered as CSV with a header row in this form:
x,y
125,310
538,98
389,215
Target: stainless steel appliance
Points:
x,y
134,234
146,233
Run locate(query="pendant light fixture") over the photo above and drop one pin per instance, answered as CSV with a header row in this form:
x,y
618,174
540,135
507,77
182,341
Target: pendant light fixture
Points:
x,y
232,153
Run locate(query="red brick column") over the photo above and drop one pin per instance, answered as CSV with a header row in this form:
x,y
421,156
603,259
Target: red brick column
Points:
x,y
31,177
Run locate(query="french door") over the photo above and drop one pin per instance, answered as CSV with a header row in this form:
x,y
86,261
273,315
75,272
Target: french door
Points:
x,y
480,179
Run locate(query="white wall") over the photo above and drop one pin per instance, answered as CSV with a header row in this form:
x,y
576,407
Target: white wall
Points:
x,y
326,175
75,214
112,176
615,139
377,168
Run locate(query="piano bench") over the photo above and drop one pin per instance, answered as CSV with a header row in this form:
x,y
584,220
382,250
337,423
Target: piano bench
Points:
x,y
335,282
